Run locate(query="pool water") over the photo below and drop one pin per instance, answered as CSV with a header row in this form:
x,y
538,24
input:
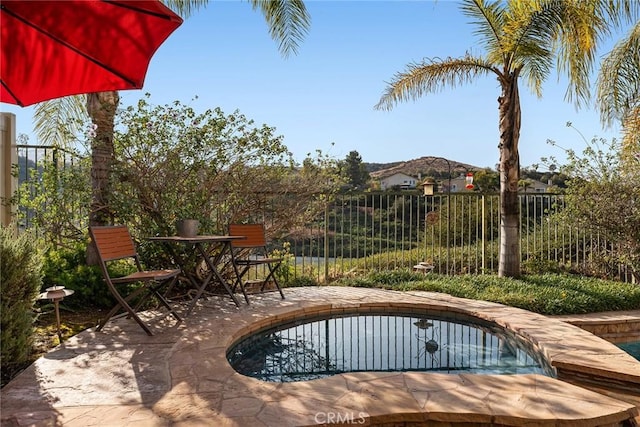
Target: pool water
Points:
x,y
321,347
633,348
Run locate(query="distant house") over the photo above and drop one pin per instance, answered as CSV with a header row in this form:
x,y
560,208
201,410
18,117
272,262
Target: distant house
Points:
x,y
534,186
398,180
458,184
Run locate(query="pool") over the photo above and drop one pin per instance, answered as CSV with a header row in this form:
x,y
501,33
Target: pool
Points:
x,y
319,347
633,348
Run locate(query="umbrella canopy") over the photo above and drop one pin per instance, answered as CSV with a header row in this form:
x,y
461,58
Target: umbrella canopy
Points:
x,y
52,48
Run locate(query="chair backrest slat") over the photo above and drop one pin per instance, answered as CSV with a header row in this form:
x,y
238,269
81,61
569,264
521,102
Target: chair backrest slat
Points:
x,y
254,233
113,242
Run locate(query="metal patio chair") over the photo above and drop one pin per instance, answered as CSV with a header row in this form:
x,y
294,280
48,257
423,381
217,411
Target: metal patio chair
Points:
x,y
252,252
114,243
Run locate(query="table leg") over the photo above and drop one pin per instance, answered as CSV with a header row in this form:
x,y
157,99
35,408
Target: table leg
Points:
x,y
200,290
180,262
238,277
214,272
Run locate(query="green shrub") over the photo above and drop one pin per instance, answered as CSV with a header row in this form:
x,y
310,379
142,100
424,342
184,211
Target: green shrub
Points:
x,y
300,281
538,264
21,278
67,267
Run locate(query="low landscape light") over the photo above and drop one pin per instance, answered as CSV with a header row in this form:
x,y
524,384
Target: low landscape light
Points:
x,y
56,294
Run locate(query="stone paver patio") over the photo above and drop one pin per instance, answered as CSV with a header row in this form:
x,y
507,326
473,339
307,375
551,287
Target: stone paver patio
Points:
x,y
180,376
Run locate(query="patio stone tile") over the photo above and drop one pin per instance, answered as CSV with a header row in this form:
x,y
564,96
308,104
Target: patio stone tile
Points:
x,y
112,416
390,405
179,372
357,380
257,388
180,407
241,406
294,411
458,405
33,417
329,388
184,386
423,382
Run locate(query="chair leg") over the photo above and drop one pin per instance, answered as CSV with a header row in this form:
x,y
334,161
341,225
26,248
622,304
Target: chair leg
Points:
x,y
122,303
271,276
239,275
244,292
156,291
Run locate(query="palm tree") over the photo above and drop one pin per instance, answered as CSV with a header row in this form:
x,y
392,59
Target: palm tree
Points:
x,y
288,23
618,89
521,39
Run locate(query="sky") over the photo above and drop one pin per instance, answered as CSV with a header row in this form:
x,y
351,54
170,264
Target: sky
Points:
x,y
323,97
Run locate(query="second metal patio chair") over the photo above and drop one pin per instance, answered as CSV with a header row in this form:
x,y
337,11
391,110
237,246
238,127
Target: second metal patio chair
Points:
x,y
252,252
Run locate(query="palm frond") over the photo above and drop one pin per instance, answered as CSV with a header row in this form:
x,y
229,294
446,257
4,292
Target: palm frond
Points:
x,y
288,22
433,75
631,134
618,12
618,85
58,122
530,32
537,67
488,18
185,8
584,25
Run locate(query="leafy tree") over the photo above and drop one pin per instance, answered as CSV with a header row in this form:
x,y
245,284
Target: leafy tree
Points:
x,y
288,23
555,179
525,184
175,163
486,180
602,196
355,171
520,39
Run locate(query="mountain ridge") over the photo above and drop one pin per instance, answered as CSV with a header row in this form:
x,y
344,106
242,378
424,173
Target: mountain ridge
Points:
x,y
422,166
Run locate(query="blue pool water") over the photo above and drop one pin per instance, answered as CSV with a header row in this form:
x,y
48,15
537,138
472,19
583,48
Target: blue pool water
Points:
x,y
323,346
633,348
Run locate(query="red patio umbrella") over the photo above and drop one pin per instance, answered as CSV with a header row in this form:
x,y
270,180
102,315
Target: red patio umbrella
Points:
x,y
55,48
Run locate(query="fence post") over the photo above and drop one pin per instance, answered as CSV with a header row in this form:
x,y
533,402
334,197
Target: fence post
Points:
x,y
484,234
8,157
326,242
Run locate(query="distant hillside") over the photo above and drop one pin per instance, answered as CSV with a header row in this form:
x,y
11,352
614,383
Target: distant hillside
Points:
x,y
424,166
374,167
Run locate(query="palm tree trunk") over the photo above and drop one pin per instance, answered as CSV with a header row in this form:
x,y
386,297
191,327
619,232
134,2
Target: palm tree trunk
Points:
x,y
509,112
101,107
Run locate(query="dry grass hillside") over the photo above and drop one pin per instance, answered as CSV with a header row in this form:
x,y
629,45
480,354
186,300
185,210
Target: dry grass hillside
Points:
x,y
424,166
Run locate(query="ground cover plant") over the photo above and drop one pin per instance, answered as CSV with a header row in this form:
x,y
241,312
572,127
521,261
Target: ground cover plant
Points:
x,y
549,294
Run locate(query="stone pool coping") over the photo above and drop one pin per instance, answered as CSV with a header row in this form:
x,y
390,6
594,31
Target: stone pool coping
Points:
x,y
180,376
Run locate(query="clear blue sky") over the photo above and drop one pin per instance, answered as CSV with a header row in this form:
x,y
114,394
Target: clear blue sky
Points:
x,y
223,55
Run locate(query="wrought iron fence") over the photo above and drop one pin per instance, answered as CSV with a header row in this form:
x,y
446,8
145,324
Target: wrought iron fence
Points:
x,y
33,161
457,233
